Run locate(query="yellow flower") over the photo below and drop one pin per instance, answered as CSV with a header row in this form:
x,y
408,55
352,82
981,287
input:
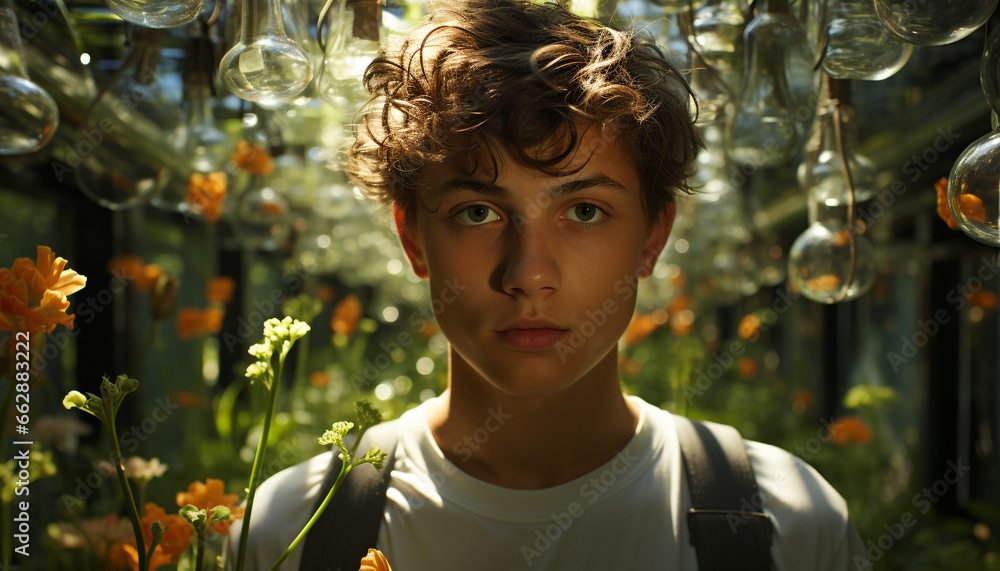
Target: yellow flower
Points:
x,y
33,294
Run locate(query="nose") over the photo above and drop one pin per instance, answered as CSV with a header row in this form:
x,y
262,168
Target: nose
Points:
x,y
530,261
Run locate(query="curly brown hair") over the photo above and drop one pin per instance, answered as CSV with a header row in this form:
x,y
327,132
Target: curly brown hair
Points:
x,y
534,77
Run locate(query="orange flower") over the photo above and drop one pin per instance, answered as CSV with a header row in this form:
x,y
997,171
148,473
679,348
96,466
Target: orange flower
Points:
x,y
193,322
941,187
319,379
346,315
850,429
823,283
326,293
158,559
271,208
802,400
748,367
640,327
220,289
187,399
207,496
749,326
679,304
206,195
175,540
128,266
984,299
33,294
254,160
374,561
148,276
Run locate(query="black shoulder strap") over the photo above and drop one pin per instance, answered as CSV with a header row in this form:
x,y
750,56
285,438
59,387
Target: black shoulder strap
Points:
x,y
727,528
338,543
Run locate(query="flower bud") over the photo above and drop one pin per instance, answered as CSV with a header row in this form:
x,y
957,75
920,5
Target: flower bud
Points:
x,y
163,300
74,399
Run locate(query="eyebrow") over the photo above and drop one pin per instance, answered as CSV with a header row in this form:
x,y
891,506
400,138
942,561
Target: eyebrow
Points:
x,y
568,187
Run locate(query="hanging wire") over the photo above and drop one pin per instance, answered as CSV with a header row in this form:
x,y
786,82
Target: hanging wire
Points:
x,y
852,215
319,25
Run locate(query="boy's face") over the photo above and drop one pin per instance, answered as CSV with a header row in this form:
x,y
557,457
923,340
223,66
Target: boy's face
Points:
x,y
536,273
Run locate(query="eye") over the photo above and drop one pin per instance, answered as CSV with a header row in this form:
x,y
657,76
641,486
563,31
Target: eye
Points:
x,y
476,214
585,212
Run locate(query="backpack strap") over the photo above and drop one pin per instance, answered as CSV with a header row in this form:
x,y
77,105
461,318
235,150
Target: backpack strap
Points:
x,y
727,528
341,536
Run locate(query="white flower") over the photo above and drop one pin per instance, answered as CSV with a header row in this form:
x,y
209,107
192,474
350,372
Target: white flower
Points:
x,y
262,351
141,469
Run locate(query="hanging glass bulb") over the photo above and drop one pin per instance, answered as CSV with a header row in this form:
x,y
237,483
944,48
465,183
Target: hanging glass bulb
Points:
x,y
263,218
831,261
761,129
128,135
715,32
824,144
353,44
28,114
204,149
973,190
265,65
850,38
929,23
156,13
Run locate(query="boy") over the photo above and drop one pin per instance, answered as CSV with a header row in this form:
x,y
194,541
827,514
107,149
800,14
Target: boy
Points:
x,y
531,159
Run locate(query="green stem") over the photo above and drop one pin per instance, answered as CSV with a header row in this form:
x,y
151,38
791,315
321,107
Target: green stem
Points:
x,y
199,557
300,363
345,467
127,491
258,461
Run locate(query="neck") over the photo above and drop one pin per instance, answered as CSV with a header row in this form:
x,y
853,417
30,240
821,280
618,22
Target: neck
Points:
x,y
532,442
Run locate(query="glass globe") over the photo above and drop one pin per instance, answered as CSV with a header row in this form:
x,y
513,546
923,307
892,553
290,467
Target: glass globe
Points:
x,y
28,116
156,13
820,263
857,45
933,23
263,218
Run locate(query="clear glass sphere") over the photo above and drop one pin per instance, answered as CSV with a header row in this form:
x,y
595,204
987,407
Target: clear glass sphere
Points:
x,y
263,219
267,70
933,22
973,191
717,34
820,263
28,116
828,176
156,13
857,45
204,150
124,148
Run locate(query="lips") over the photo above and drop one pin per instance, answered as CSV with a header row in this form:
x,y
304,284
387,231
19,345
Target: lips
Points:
x,y
534,334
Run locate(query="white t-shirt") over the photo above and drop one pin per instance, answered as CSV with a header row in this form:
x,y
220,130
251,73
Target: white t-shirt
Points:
x,y
630,513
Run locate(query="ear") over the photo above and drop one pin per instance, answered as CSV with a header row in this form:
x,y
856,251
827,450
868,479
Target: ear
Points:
x,y
657,239
413,251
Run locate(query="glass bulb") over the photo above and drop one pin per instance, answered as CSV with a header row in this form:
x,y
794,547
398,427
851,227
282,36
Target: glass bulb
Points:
x,y
28,114
204,150
857,46
156,13
823,266
762,129
930,23
265,65
973,191
353,44
823,149
263,217
125,151
716,31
